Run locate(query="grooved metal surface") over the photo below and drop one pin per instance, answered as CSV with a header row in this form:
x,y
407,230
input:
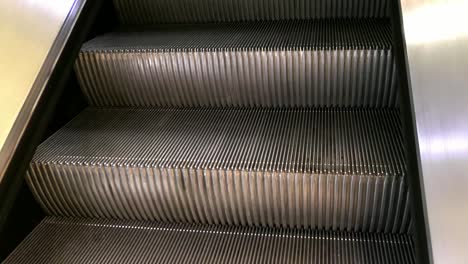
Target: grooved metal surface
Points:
x,y
270,64
58,240
203,11
269,35
325,168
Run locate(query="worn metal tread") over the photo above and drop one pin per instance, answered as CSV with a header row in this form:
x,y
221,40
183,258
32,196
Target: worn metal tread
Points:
x,y
264,64
59,240
143,12
326,168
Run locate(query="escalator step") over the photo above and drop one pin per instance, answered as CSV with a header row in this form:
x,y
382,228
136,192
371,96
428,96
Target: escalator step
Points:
x,y
144,12
340,169
341,63
59,240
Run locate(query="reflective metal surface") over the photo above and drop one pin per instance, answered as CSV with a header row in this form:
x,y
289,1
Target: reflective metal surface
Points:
x,y
328,169
313,63
68,240
33,33
436,35
145,12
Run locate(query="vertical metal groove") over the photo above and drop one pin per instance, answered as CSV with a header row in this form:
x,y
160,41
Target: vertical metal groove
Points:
x,y
62,240
144,12
322,168
265,64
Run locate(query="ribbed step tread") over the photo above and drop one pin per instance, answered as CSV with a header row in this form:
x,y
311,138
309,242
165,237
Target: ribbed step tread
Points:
x,y
340,169
269,35
265,64
144,12
58,240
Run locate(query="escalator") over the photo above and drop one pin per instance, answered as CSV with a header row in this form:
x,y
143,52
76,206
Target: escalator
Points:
x,y
228,132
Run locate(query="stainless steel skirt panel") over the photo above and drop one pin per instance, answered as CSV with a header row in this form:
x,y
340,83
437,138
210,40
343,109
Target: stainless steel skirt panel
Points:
x,y
283,64
333,169
58,240
145,12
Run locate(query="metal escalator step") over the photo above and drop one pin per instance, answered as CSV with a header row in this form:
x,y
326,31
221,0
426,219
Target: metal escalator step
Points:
x,y
58,240
205,11
344,62
325,168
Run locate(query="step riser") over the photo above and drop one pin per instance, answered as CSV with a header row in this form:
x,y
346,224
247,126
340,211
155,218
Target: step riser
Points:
x,y
203,11
374,204
362,78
